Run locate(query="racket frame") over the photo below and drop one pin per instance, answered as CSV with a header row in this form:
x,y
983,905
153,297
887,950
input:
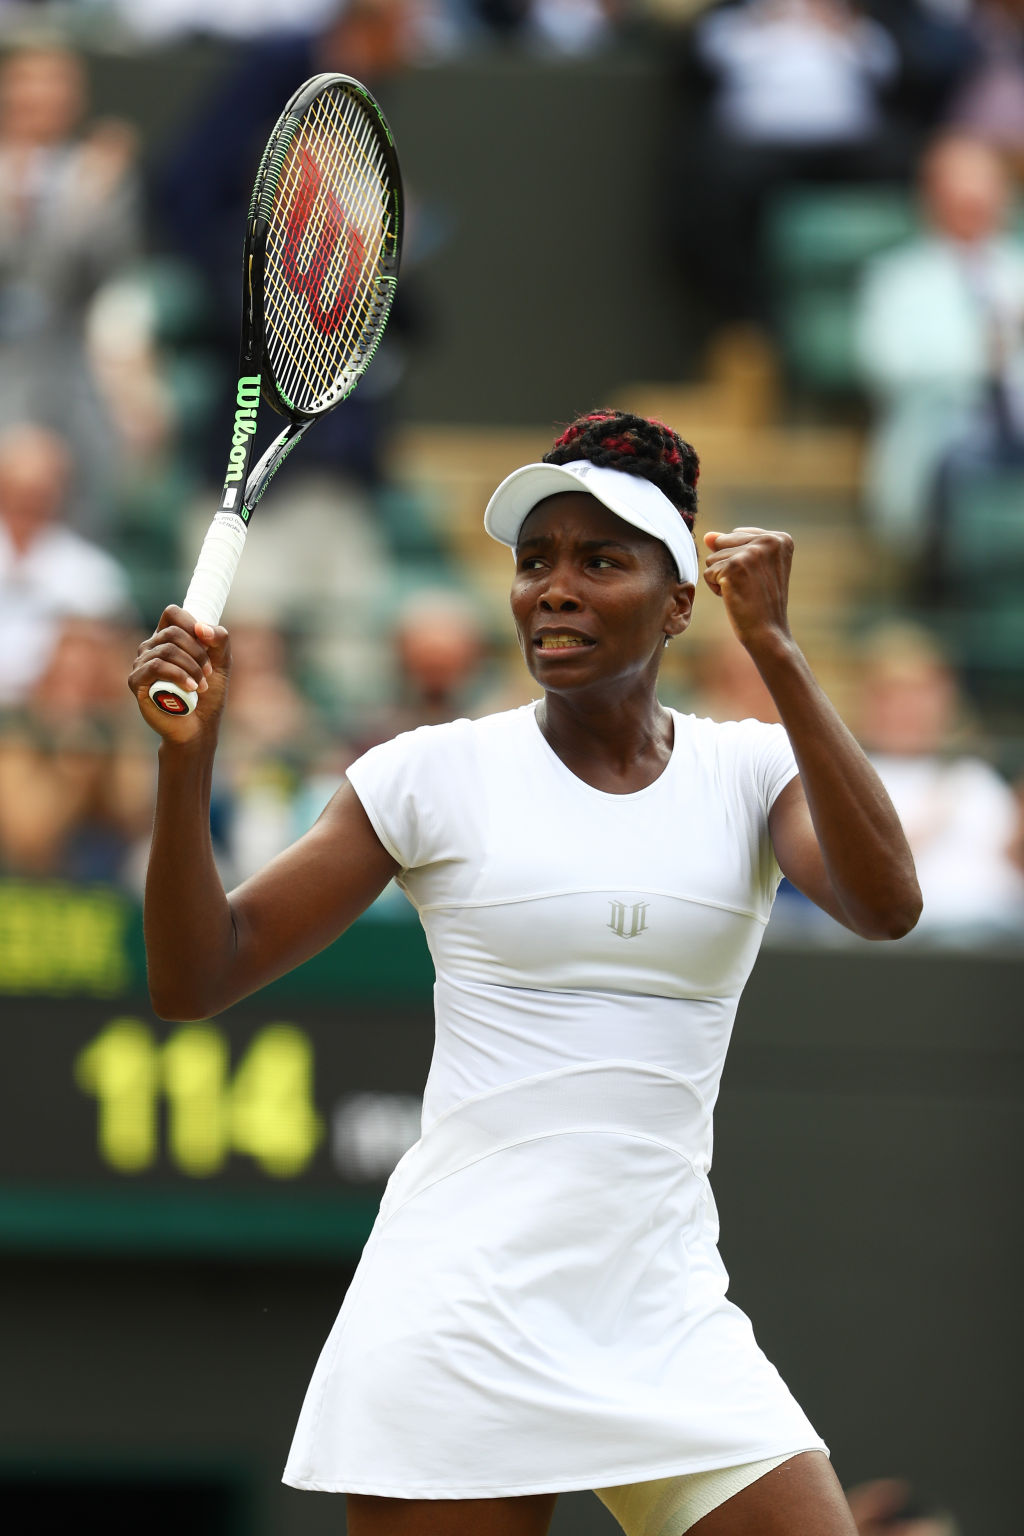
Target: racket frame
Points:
x,y
242,488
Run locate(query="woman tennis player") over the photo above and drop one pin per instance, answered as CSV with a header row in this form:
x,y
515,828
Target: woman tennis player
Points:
x,y
541,1305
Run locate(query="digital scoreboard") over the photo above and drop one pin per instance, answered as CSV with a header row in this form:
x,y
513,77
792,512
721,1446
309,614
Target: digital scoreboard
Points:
x,y
270,1128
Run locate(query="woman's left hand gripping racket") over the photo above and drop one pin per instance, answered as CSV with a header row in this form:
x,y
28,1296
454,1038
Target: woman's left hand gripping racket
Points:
x,y
322,247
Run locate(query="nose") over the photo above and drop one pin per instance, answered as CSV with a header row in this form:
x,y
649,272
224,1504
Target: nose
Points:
x,y
558,596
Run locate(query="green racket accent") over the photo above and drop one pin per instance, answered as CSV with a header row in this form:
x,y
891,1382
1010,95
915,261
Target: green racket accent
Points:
x,y
267,182
254,199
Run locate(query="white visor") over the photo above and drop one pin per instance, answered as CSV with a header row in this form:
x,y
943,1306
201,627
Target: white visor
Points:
x,y
630,497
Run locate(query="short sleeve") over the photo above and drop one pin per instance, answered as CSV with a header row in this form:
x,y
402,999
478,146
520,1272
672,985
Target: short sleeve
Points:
x,y
405,788
774,764
383,778
768,766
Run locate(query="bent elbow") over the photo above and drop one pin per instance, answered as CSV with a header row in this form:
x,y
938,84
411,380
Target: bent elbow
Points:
x,y
898,918
899,927
174,1006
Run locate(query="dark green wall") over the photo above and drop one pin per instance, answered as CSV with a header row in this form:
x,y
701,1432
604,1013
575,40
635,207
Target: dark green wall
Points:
x,y
553,289
538,197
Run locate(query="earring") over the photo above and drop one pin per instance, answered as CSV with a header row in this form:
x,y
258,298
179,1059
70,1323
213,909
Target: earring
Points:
x,y
667,639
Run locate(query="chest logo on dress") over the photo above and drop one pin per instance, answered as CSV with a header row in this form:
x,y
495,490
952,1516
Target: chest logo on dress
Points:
x,y
627,921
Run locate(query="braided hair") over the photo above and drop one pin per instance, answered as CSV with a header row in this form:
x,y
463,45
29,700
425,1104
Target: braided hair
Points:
x,y
640,446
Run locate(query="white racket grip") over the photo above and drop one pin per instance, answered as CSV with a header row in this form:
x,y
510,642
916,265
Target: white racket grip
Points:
x,y
215,569
207,593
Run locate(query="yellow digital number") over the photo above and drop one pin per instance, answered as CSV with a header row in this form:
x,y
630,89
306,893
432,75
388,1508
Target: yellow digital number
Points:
x,y
121,1068
272,1113
195,1071
265,1112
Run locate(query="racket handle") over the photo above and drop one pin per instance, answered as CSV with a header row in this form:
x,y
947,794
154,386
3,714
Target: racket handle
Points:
x,y
207,593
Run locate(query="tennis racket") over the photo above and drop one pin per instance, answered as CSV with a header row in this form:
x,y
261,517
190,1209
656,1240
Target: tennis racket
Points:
x,y
320,263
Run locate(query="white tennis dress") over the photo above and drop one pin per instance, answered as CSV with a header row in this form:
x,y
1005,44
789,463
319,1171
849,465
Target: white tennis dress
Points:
x,y
541,1304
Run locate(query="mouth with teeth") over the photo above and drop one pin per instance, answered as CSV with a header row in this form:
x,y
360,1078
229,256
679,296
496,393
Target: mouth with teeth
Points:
x,y
561,642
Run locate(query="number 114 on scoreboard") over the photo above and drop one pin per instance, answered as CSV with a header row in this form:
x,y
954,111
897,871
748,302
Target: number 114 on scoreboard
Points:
x,y
264,1110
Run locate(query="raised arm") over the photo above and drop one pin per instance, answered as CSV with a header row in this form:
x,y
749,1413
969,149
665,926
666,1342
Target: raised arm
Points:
x,y
205,949
834,829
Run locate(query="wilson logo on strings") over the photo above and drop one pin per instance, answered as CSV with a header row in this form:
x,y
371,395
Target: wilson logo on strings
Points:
x,y
626,921
308,281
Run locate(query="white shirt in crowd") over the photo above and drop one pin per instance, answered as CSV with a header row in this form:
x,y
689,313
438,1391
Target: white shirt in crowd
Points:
x,y
959,817
60,576
787,78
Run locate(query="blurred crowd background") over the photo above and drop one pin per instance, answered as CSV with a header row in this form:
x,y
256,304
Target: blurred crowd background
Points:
x,y
823,207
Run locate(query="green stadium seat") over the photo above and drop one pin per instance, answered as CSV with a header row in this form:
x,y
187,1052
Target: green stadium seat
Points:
x,y
818,240
984,534
983,571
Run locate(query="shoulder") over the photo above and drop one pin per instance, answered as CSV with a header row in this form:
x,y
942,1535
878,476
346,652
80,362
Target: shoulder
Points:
x,y
1009,254
737,738
64,557
63,544
973,777
423,790
906,264
747,760
455,740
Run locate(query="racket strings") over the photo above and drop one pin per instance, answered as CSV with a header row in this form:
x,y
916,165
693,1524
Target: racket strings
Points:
x,y
329,227
325,269
352,176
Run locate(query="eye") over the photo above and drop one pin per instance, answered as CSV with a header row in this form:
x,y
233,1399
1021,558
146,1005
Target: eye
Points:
x,y
602,562
529,563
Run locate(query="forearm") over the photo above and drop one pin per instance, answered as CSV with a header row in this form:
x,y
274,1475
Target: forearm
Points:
x,y
863,847
190,934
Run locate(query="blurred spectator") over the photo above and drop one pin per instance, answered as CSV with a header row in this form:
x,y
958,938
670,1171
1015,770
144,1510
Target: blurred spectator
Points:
x,y
569,28
318,568
937,44
162,20
269,713
886,1507
795,92
796,72
440,651
69,219
990,102
960,817
1017,841
47,572
76,774
728,685
272,736
434,27
157,386
941,343
566,27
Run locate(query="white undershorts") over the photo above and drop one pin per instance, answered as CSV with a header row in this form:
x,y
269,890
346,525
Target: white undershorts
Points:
x,y
668,1506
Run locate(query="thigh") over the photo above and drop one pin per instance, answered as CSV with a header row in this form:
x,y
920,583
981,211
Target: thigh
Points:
x,y
801,1497
526,1516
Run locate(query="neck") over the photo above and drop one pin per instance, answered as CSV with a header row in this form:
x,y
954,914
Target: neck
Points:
x,y
618,744
21,536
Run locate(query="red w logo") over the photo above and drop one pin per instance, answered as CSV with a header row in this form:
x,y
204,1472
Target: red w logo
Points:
x,y
309,281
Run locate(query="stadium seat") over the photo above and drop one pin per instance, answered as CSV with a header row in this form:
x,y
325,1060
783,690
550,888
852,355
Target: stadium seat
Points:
x,y
984,535
818,240
982,560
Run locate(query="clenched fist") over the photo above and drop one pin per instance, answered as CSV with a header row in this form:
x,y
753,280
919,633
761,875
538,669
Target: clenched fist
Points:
x,y
194,655
749,570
